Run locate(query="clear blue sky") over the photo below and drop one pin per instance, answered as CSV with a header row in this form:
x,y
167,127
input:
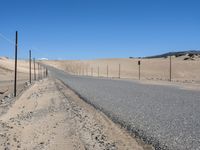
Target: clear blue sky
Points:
x,y
89,29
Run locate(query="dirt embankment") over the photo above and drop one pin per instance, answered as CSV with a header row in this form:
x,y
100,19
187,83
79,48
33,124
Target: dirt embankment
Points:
x,y
7,77
50,116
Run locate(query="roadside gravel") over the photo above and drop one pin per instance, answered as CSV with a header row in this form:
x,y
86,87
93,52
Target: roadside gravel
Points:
x,y
167,117
50,116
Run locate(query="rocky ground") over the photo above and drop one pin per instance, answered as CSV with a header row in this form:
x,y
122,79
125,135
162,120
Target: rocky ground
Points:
x,y
50,116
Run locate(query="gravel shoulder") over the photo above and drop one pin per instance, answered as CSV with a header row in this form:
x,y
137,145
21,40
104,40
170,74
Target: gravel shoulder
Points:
x,y
51,116
164,116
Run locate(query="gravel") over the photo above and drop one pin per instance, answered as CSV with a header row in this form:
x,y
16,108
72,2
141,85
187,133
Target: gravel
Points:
x,y
165,116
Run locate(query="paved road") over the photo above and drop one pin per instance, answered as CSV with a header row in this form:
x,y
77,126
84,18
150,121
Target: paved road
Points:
x,y
166,116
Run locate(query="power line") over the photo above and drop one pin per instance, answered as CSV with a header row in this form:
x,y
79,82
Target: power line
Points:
x,y
13,42
7,39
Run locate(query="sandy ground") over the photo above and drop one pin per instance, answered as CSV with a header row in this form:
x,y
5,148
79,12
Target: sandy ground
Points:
x,y
50,116
151,69
7,69
7,89
7,76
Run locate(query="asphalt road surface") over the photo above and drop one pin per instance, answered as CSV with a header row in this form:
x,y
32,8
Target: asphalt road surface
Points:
x,y
167,117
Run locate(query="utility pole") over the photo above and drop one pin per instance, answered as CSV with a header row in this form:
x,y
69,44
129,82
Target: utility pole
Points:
x,y
30,66
15,78
170,68
34,70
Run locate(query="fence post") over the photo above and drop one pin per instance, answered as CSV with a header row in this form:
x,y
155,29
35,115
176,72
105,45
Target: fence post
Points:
x,y
170,68
119,70
82,70
139,63
98,71
15,78
38,71
34,70
92,72
107,71
41,72
30,66
46,72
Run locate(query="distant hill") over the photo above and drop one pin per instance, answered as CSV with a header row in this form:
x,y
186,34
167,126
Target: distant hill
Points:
x,y
177,54
4,58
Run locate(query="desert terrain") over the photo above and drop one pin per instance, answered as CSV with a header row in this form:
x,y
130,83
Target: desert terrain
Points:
x,y
7,76
166,115
48,115
52,116
184,68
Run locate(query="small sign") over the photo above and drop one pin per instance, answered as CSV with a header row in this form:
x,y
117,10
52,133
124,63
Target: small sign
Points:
x,y
139,62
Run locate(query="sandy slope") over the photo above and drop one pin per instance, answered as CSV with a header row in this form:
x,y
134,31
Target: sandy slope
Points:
x,y
151,69
7,69
50,116
7,75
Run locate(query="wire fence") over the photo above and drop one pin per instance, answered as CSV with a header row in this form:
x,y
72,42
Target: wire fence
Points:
x,y
27,71
175,69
